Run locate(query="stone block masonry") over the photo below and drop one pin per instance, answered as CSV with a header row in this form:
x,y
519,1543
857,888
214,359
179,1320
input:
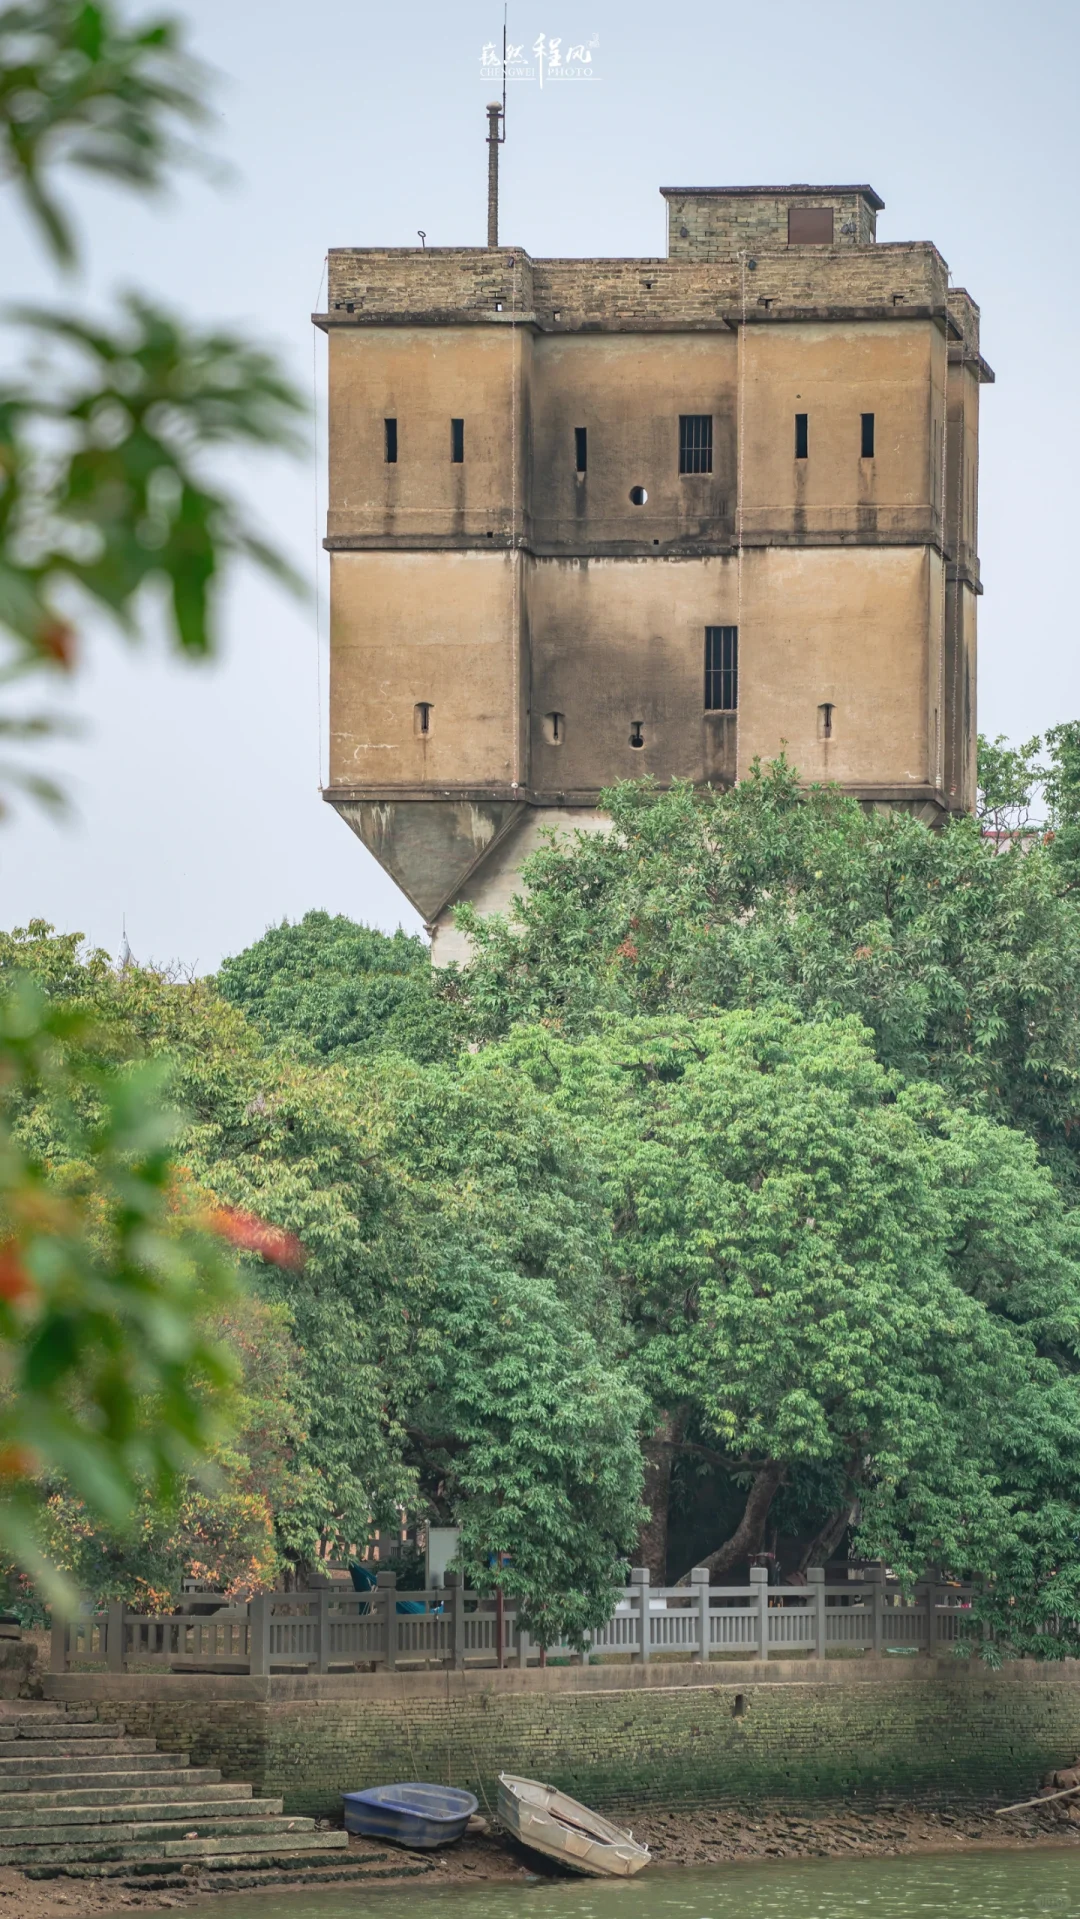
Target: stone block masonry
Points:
x,y
621,1738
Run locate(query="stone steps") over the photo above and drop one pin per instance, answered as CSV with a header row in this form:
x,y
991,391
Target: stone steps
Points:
x,y
88,1750
105,1766
84,1800
225,1849
249,1875
184,1789
73,1844
40,1725
170,1812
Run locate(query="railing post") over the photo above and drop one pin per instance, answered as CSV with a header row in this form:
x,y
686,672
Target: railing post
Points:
x,y
699,1581
259,1634
931,1616
455,1598
386,1584
639,1580
815,1581
114,1642
759,1588
874,1577
322,1631
58,1643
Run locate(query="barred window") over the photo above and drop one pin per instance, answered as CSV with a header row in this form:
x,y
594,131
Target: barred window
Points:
x,y
695,443
721,669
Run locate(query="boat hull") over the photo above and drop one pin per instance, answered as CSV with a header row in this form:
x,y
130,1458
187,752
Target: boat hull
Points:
x,y
550,1822
412,1814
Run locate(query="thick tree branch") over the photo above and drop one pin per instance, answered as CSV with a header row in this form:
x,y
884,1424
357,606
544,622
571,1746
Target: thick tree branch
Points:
x,y
750,1530
821,1548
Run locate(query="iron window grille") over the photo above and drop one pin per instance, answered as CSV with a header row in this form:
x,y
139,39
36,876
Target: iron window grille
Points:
x,y
695,443
721,669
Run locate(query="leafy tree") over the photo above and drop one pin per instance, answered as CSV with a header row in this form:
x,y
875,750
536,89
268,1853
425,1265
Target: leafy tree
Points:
x,y
1008,779
460,1344
104,1286
78,86
964,963
107,1376
227,1522
827,1270
345,989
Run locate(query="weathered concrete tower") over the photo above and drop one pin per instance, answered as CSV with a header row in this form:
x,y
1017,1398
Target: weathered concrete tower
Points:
x,y
591,519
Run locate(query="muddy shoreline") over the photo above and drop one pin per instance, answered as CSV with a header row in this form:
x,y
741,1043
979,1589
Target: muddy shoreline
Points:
x,y
729,1835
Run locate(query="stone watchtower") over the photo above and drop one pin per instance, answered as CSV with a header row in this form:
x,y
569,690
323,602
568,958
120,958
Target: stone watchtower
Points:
x,y
591,519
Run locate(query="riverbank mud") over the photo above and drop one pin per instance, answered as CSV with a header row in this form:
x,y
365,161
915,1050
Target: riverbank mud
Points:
x,y
724,1836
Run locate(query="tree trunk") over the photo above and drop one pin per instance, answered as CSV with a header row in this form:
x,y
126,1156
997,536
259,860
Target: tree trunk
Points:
x,y
659,1452
750,1531
824,1544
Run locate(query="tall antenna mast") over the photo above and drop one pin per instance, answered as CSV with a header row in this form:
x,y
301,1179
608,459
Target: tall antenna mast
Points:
x,y
496,114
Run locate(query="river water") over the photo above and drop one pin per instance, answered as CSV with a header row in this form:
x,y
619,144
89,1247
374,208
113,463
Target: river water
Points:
x,y
988,1885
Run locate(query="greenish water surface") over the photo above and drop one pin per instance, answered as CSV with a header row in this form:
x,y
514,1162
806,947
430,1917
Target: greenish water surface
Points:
x,y
989,1885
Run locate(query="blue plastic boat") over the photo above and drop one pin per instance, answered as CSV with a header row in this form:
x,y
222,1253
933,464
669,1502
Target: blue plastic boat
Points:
x,y
413,1815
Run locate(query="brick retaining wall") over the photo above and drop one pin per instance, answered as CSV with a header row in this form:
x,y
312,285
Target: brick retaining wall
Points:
x,y
620,1737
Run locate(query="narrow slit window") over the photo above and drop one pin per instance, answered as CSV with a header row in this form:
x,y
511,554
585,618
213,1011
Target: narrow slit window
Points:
x,y
581,448
637,733
802,436
554,728
422,716
825,714
695,443
721,669
390,449
867,436
457,441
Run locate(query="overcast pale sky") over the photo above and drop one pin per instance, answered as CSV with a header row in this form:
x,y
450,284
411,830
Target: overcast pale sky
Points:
x,y
197,810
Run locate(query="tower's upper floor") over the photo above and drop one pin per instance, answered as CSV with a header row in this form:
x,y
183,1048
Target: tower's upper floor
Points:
x,y
771,301
597,518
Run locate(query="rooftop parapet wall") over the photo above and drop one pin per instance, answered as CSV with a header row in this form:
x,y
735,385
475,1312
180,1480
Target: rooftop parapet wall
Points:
x,y
407,286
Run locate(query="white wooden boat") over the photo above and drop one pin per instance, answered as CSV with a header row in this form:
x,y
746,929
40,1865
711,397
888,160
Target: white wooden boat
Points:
x,y
552,1823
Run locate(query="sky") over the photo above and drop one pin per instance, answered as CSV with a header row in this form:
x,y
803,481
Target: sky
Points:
x,y
196,816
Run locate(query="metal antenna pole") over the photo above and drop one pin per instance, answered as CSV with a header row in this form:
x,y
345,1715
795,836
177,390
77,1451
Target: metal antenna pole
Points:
x,y
493,113
496,114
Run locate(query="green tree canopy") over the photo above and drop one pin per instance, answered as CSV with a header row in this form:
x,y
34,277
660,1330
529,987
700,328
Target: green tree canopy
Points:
x,y
963,961
832,1275
343,988
460,1344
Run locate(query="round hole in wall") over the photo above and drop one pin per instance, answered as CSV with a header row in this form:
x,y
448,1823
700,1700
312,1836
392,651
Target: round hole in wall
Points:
x,y
638,496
